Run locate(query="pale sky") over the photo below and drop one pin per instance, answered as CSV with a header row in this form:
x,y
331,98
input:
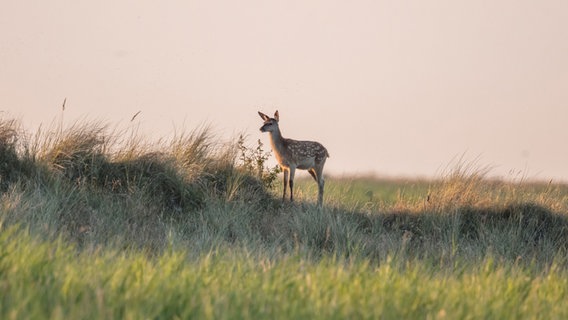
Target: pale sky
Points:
x,y
396,88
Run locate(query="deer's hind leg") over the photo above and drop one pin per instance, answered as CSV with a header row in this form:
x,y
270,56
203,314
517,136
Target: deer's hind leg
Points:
x,y
312,172
318,176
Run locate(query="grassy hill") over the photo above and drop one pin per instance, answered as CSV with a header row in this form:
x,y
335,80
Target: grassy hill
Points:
x,y
99,223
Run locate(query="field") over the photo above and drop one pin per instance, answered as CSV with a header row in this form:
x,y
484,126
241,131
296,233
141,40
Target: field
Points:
x,y
101,224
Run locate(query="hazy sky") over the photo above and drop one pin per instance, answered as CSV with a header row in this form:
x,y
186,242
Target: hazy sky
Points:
x,y
391,87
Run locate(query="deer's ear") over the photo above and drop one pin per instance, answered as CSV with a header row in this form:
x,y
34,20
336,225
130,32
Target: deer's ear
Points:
x,y
276,116
263,116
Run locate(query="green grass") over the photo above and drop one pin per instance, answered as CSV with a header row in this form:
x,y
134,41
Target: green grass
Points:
x,y
365,193
97,226
50,280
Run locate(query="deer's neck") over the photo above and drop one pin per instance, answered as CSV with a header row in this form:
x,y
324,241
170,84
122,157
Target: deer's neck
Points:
x,y
277,142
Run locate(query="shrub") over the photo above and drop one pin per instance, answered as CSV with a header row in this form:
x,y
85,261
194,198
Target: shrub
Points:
x,y
253,160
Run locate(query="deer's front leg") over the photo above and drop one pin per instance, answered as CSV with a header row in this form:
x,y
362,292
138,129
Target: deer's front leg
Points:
x,y
285,170
292,172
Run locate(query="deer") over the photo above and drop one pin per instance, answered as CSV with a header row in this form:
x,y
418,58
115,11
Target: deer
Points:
x,y
293,154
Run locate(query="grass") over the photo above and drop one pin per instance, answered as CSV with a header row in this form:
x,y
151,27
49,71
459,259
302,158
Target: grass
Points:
x,y
96,223
50,280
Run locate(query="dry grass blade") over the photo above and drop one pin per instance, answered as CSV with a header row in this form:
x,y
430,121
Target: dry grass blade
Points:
x,y
77,151
193,151
463,183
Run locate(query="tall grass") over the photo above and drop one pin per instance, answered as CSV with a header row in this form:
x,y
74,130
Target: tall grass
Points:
x,y
108,225
93,185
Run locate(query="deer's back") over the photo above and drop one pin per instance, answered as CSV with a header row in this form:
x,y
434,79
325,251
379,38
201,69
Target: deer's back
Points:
x,y
306,153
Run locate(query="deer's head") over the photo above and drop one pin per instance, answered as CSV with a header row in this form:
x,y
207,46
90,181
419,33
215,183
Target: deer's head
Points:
x,y
270,124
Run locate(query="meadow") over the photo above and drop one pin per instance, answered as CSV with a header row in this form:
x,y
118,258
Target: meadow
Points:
x,y
100,223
